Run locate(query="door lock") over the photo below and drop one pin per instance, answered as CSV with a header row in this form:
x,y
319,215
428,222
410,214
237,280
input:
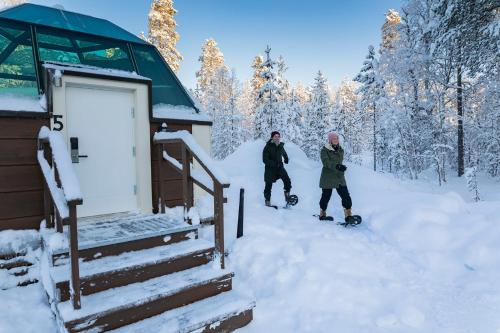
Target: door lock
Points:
x,y
75,157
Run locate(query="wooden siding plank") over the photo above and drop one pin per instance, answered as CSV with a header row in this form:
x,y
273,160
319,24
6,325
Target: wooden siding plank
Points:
x,y
19,128
20,178
21,204
20,223
18,152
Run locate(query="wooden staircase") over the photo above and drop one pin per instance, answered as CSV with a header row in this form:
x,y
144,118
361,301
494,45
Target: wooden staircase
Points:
x,y
17,270
150,271
133,272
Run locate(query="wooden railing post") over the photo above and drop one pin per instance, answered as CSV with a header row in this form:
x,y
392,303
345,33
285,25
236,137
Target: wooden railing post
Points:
x,y
161,196
75,269
219,221
187,195
49,223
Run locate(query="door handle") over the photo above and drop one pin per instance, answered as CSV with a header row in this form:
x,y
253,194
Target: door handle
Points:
x,y
75,156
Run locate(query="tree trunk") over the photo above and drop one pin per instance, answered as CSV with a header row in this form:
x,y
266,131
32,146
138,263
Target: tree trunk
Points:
x,y
460,127
374,139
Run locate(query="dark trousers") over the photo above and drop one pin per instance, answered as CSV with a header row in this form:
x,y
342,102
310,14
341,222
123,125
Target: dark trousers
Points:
x,y
342,191
287,184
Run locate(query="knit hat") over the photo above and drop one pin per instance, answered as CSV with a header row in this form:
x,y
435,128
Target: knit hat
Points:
x,y
273,133
331,135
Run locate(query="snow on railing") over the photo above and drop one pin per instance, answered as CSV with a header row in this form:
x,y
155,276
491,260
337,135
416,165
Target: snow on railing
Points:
x,y
188,139
196,174
57,193
69,181
64,199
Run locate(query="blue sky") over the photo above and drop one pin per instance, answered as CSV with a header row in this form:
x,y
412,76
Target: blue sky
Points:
x,y
327,35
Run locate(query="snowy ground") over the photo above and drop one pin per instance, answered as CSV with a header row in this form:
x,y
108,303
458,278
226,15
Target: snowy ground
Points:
x,y
425,259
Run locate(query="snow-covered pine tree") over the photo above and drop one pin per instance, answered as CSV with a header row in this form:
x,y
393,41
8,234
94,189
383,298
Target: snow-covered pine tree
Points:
x,y
217,101
303,94
281,79
245,104
293,114
257,80
317,117
269,114
371,90
233,116
347,120
10,3
212,60
162,31
472,185
389,29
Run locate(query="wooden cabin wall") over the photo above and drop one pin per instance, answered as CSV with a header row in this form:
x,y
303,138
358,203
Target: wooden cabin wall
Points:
x,y
172,180
21,184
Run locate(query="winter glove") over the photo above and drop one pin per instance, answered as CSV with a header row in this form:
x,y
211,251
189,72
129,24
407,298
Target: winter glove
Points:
x,y
341,167
286,160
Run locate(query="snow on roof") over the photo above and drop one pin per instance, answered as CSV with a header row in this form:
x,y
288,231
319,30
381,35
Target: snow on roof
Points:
x,y
10,102
196,149
93,70
168,111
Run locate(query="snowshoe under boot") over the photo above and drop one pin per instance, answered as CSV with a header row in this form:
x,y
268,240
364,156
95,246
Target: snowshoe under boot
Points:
x,y
268,204
323,217
291,199
351,219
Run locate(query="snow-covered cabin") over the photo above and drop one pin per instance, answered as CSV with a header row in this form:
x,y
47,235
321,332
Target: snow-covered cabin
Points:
x,y
83,149
94,82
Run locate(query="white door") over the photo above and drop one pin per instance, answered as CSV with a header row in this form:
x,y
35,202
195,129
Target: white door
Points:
x,y
102,120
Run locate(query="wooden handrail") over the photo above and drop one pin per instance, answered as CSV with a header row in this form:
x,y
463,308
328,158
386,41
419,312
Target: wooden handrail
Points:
x,y
58,209
184,168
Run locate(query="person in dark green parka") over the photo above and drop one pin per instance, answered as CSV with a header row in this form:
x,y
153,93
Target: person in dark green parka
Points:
x,y
273,156
332,176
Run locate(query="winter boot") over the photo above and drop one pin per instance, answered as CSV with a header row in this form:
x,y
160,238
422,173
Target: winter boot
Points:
x,y
351,219
323,216
268,204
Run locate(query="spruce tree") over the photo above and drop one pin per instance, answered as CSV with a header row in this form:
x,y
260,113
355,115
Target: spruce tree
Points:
x,y
212,60
162,31
371,90
317,117
269,114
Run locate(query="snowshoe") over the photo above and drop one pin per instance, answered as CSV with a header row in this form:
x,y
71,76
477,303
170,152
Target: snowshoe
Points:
x,y
268,204
324,218
292,200
353,220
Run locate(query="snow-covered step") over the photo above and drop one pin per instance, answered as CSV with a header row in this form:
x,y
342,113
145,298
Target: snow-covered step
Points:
x,y
222,313
136,266
121,306
14,262
113,237
18,270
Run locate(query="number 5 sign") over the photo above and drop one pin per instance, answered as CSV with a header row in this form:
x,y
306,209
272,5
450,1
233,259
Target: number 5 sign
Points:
x,y
58,125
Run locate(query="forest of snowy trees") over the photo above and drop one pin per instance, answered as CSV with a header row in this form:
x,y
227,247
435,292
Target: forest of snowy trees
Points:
x,y
268,102
427,99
